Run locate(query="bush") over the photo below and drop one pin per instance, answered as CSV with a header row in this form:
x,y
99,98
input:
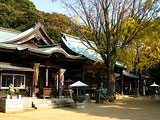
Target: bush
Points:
x,y
4,92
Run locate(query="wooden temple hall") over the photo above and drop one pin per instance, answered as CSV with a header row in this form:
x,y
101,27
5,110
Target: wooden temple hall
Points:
x,y
34,64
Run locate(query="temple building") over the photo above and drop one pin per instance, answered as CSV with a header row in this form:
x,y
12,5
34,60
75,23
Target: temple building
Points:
x,y
32,63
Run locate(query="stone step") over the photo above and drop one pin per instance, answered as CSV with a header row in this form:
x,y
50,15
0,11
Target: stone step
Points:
x,y
54,102
57,105
41,103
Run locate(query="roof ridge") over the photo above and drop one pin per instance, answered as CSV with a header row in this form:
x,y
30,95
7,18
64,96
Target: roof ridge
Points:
x,y
70,35
9,30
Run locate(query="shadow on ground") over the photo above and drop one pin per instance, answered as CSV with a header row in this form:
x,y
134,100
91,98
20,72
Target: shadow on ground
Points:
x,y
132,109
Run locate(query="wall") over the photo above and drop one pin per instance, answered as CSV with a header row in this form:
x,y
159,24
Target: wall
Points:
x,y
11,105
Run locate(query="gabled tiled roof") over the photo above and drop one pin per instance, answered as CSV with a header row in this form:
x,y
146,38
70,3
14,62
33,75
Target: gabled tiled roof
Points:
x,y
76,45
16,37
9,30
6,34
21,35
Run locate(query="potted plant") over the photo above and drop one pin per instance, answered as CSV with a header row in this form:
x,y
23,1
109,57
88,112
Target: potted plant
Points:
x,y
11,90
17,92
9,93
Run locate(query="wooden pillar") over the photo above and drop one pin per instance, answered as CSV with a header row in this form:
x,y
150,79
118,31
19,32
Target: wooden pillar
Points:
x,y
55,78
46,77
33,88
29,82
83,73
41,80
59,82
0,80
121,75
35,78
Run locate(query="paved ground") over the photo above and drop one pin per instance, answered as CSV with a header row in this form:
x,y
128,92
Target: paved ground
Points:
x,y
127,109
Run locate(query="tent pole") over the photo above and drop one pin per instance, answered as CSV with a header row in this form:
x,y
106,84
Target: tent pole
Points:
x,y
77,91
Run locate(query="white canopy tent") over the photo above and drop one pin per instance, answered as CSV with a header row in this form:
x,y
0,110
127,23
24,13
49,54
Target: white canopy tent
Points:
x,y
154,85
77,85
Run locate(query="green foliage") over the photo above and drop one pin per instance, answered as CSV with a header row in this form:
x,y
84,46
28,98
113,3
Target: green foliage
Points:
x,y
9,92
149,46
17,91
144,51
56,23
17,14
4,92
94,72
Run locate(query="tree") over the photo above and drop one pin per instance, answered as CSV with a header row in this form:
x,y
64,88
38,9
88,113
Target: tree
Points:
x,y
18,14
144,51
55,24
149,46
94,73
113,24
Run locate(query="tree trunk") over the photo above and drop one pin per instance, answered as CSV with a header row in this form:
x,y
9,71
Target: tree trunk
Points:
x,y
110,79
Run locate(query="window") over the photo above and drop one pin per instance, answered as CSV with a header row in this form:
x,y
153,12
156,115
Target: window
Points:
x,y
18,80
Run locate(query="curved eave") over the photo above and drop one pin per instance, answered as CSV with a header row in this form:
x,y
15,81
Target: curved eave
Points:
x,y
80,48
11,67
10,30
29,32
60,50
4,47
33,52
37,51
48,53
18,69
56,50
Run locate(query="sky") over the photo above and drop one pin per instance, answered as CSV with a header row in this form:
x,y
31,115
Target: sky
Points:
x,y
48,6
